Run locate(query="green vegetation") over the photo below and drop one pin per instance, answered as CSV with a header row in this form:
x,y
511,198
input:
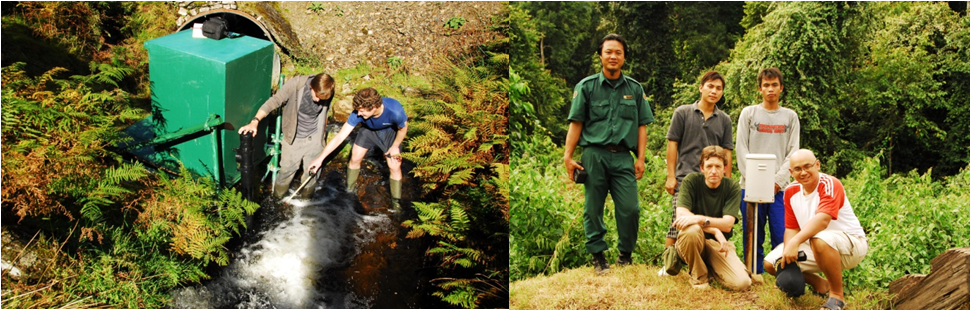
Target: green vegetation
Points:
x,y
113,234
135,235
455,22
852,74
338,11
316,7
394,63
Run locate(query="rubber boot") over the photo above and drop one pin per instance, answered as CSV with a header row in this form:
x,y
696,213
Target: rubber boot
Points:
x,y
352,179
396,194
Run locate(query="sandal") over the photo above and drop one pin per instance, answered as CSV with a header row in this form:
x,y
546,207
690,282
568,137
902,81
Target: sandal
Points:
x,y
833,304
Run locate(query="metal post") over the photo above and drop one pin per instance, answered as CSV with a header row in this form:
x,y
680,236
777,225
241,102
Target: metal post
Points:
x,y
244,158
274,150
750,235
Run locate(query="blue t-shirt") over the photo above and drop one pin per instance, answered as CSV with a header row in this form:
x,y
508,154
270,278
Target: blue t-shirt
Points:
x,y
393,115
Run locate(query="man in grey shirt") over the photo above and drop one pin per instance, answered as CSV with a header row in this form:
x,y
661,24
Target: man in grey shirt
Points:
x,y
305,100
694,127
768,128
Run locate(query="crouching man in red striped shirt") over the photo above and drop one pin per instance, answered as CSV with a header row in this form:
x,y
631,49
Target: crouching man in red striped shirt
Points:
x,y
821,223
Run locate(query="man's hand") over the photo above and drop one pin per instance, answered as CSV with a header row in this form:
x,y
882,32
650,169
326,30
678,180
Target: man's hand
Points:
x,y
571,165
638,169
249,128
724,246
670,184
789,254
685,221
394,155
776,189
316,163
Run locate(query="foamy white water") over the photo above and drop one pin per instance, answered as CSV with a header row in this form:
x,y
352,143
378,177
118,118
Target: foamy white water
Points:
x,y
287,266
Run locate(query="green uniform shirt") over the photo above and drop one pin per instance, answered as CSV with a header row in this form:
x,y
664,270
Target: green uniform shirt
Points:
x,y
610,114
715,203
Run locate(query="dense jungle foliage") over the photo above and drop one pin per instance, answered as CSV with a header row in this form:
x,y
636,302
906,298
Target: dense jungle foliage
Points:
x,y
881,90
113,233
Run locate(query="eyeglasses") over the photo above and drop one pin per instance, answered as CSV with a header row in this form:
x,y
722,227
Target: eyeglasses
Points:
x,y
806,167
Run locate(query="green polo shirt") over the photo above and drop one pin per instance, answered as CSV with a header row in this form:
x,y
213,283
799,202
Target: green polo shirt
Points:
x,y
715,203
610,113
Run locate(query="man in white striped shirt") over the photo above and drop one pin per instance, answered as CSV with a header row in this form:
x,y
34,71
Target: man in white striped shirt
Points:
x,y
820,222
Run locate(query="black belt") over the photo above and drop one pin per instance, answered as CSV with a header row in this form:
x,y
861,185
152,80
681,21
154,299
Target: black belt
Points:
x,y
612,148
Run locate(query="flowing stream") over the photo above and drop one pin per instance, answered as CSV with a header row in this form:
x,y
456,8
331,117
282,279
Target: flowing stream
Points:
x,y
331,251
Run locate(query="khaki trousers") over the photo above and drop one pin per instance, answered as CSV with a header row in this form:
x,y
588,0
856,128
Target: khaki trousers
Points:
x,y
296,156
702,256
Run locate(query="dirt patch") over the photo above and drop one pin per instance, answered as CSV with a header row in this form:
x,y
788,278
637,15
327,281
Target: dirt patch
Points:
x,y
345,34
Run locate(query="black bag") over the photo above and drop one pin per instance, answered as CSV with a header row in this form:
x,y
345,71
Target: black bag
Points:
x,y
579,176
215,28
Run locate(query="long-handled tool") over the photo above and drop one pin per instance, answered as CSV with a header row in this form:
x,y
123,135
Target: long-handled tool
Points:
x,y
304,184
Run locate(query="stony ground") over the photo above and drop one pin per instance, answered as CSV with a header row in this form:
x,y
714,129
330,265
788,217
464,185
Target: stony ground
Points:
x,y
344,34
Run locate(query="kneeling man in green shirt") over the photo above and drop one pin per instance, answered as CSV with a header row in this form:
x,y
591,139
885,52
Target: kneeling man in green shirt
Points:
x,y
707,210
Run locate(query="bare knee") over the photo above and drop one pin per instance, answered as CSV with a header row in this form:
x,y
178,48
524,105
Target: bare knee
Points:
x,y
768,267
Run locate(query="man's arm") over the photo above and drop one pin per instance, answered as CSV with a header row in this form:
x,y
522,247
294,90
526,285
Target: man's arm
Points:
x,y
782,176
672,162
686,218
641,145
815,224
331,146
572,137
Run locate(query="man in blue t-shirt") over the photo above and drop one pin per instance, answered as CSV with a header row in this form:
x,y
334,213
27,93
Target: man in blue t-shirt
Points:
x,y
383,125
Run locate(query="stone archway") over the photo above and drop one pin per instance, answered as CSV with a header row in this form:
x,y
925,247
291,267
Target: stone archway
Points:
x,y
237,21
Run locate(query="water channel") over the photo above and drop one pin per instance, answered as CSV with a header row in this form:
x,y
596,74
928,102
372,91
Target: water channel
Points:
x,y
334,250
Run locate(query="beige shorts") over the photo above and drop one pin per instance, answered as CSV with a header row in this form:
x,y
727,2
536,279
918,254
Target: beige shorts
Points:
x,y
852,249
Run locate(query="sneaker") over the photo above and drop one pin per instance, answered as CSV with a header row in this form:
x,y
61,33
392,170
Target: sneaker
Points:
x,y
600,263
672,262
624,259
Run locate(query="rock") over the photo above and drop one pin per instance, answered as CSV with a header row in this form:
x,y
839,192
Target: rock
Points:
x,y
183,11
343,108
412,92
13,271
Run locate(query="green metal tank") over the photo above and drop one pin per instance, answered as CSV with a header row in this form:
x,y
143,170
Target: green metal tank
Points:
x,y
203,90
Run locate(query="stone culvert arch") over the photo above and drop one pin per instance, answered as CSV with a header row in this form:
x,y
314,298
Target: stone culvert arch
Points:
x,y
273,28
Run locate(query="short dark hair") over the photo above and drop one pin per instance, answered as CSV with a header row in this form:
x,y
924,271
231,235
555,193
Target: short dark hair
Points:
x,y
615,37
367,98
771,73
712,75
323,85
713,151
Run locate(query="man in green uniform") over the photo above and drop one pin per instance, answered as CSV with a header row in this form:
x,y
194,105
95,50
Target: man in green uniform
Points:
x,y
609,117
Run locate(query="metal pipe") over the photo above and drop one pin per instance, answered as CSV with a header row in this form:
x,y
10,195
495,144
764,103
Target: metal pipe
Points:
x,y
274,151
211,122
244,159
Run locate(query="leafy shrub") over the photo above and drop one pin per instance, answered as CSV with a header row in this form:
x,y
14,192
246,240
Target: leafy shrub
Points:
x,y
316,7
455,22
135,237
909,219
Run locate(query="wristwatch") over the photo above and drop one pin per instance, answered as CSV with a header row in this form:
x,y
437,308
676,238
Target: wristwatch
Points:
x,y
707,222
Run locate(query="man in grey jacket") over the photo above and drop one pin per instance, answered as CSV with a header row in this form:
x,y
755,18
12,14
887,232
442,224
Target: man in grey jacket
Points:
x,y
768,128
305,100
